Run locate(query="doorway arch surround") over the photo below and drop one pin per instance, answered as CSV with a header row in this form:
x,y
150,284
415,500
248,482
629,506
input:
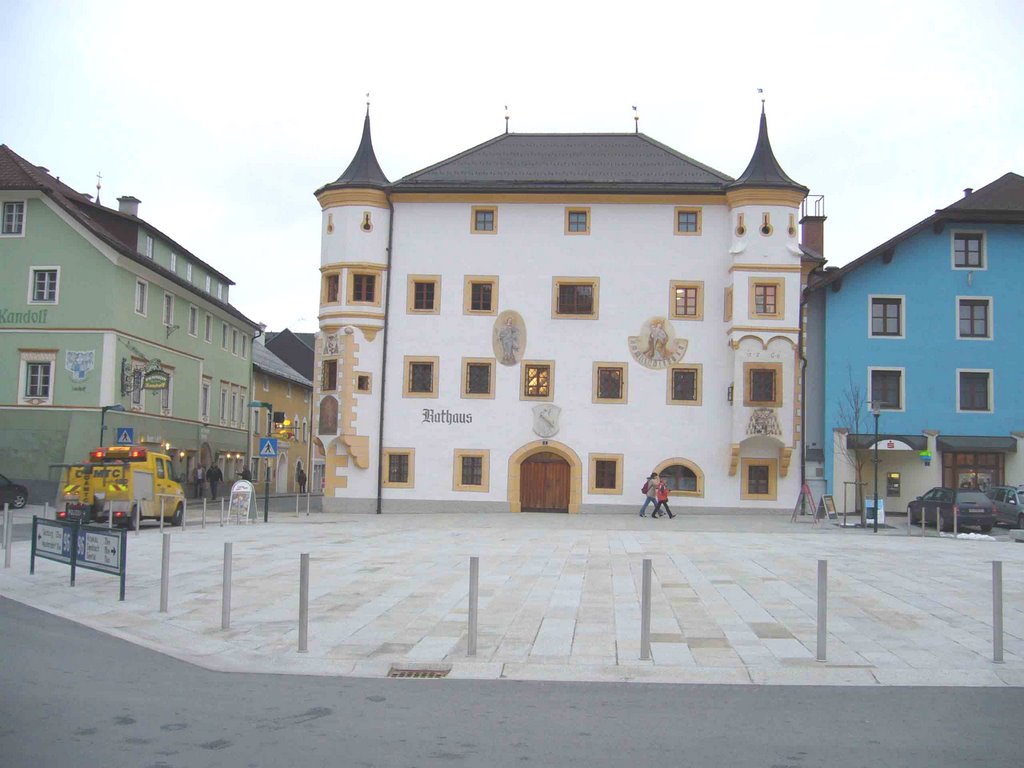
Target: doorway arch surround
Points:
x,y
561,450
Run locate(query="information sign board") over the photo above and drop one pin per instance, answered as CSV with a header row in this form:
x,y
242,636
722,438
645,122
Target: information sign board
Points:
x,y
98,549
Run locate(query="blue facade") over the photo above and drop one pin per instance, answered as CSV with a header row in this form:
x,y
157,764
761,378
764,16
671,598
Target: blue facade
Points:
x,y
932,320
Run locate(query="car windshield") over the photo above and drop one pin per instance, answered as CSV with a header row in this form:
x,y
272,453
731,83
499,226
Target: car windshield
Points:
x,y
971,497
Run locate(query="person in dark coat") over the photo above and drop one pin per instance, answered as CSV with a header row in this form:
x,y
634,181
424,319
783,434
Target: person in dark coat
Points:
x,y
213,477
300,478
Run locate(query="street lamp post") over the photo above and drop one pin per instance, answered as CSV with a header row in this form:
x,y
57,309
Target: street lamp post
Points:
x,y
876,410
266,471
103,417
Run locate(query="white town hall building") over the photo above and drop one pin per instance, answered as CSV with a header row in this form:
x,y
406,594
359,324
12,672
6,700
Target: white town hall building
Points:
x,y
543,320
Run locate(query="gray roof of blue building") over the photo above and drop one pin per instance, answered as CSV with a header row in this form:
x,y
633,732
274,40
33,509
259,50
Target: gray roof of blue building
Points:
x,y
268,362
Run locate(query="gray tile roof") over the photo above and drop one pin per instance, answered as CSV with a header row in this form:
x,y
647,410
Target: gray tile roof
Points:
x,y
539,162
265,360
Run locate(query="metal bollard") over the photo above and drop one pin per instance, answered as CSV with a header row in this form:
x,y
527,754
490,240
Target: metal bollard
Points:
x,y
956,510
307,503
161,514
474,599
8,537
822,608
110,516
137,516
46,510
222,513
184,513
303,602
165,572
296,505
225,606
645,612
997,611
204,517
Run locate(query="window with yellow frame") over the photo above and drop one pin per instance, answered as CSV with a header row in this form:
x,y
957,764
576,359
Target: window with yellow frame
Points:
x,y
759,479
399,468
605,475
767,298
471,470
686,299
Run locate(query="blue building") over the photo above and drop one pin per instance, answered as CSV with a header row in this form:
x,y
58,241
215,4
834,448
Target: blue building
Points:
x,y
928,326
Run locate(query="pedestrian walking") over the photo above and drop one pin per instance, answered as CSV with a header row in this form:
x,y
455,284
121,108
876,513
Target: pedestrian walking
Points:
x,y
246,474
650,492
661,491
300,478
213,477
197,481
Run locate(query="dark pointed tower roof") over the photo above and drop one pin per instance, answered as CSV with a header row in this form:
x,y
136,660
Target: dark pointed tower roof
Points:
x,y
763,170
364,170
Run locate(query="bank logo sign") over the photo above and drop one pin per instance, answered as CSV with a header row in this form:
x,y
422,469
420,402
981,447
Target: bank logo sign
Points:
x,y
79,364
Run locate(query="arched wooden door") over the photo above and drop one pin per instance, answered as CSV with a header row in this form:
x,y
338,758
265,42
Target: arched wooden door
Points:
x,y
544,483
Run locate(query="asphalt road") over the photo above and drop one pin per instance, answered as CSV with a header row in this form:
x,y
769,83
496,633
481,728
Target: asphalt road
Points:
x,y
70,696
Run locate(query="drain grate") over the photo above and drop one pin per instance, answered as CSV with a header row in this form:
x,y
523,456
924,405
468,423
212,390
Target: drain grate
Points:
x,y
419,674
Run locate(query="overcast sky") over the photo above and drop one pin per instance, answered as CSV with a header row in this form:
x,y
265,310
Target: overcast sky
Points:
x,y
223,118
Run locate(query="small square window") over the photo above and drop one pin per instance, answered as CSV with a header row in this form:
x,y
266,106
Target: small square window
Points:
x,y
477,377
759,479
421,377
605,476
767,298
12,222
973,319
577,221
763,385
575,298
686,300
485,220
399,468
480,295
363,383
887,388
975,390
968,250
684,385
424,294
688,221
363,288
887,316
610,382
538,380
45,285
764,299
471,471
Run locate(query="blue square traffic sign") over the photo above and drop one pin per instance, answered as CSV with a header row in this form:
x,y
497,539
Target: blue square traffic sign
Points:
x,y
268,447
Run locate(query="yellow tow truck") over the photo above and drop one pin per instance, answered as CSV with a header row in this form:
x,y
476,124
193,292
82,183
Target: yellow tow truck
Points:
x,y
118,482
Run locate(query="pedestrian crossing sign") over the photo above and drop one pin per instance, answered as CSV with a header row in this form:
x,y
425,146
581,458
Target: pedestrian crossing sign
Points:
x,y
268,447
125,435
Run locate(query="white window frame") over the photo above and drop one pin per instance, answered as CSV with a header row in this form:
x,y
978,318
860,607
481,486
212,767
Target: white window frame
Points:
x,y
168,309
174,262
188,271
245,345
220,291
903,387
208,283
991,389
205,388
234,342
223,335
903,314
991,318
223,404
193,320
42,358
984,250
20,232
149,246
208,329
141,297
32,285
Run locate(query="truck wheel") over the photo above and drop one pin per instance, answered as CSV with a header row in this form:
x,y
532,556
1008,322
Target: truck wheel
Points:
x,y
179,512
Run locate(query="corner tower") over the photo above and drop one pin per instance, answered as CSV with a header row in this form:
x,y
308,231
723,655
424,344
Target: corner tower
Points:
x,y
763,305
354,229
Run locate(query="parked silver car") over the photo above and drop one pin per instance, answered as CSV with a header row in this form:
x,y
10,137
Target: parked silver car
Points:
x,y
1009,503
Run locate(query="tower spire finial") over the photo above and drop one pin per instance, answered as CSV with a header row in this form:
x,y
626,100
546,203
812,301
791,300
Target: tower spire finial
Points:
x,y
506,118
761,92
99,176
367,103
636,120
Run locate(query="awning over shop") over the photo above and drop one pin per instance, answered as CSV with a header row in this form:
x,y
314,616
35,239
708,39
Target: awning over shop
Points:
x,y
887,442
977,444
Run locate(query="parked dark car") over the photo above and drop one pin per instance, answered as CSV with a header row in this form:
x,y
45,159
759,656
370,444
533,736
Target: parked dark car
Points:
x,y
12,493
973,509
1009,503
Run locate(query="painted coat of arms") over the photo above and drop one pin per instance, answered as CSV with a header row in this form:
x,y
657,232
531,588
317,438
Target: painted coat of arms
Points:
x,y
657,346
79,364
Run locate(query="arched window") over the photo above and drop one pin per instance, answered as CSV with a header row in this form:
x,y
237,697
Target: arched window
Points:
x,y
682,476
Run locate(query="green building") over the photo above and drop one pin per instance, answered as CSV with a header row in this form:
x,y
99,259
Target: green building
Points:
x,y
98,310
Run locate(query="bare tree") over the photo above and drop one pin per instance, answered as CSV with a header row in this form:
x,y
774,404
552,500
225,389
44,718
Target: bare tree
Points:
x,y
851,415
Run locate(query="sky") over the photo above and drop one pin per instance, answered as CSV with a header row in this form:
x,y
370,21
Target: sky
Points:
x,y
223,118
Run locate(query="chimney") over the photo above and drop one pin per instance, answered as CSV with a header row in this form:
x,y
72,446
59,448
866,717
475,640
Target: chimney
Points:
x,y
968,192
129,205
812,224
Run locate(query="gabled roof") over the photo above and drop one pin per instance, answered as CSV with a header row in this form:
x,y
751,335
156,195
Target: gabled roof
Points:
x,y
1001,201
568,162
763,170
265,360
16,173
296,349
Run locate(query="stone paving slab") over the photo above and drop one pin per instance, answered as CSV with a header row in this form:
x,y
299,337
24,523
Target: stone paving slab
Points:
x,y
734,599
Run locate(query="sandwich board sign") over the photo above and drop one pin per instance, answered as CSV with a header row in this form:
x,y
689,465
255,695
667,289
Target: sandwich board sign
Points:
x,y
268,447
125,435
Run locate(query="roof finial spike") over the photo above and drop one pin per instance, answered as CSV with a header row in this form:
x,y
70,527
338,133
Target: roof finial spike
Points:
x,y
761,91
367,103
636,120
99,176
506,118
